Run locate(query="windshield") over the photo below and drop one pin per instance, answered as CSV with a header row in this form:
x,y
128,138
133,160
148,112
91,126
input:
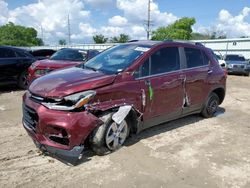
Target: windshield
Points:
x,y
218,57
117,58
234,58
69,54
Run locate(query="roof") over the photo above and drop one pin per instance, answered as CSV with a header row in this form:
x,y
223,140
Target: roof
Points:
x,y
152,43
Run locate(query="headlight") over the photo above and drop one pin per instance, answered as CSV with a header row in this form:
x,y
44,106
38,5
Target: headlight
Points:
x,y
33,66
41,72
71,102
230,66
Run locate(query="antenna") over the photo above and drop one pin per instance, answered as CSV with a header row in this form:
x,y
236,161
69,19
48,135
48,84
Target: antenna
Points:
x,y
69,30
149,21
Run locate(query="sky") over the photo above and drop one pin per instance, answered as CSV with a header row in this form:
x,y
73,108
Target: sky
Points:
x,y
112,17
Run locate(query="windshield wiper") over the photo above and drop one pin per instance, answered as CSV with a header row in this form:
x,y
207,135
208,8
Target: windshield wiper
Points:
x,y
91,68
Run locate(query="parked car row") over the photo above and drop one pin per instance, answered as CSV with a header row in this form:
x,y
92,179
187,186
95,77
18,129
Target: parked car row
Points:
x,y
21,67
237,64
42,53
61,59
234,63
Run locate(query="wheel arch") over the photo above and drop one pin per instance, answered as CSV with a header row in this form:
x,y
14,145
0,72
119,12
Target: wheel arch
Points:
x,y
220,92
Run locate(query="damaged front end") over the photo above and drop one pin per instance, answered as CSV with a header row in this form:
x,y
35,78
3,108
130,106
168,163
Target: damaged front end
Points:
x,y
61,127
59,132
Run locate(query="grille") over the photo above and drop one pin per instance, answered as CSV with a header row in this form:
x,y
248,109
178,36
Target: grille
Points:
x,y
30,118
239,66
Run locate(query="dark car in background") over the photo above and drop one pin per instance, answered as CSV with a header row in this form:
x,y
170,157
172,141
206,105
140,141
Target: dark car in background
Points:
x,y
63,58
42,53
14,64
123,90
237,64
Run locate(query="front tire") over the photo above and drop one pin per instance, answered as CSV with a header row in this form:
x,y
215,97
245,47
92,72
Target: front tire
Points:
x,y
23,80
211,106
109,136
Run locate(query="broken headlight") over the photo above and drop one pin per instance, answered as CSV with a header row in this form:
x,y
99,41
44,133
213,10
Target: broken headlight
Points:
x,y
71,102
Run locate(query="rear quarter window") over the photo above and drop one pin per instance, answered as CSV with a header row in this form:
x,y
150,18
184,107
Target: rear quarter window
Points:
x,y
195,58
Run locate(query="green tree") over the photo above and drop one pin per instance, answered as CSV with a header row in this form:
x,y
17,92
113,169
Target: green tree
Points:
x,y
62,42
218,35
200,36
122,38
100,39
16,35
181,29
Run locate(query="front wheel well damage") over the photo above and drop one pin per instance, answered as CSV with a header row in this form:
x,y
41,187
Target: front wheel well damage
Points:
x,y
133,118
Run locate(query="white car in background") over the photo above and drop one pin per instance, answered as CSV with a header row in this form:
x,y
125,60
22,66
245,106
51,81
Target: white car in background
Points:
x,y
222,62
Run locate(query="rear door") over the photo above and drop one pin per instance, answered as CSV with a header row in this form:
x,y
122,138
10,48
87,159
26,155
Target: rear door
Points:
x,y
161,84
197,71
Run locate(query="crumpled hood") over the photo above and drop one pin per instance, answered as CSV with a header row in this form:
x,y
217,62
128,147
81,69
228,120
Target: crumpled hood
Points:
x,y
54,64
67,81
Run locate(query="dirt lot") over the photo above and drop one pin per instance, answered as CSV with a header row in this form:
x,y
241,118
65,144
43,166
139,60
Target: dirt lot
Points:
x,y
189,152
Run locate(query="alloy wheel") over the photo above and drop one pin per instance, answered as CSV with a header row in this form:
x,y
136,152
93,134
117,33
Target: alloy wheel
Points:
x,y
116,135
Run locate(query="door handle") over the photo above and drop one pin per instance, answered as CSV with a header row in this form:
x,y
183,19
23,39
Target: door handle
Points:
x,y
210,71
147,82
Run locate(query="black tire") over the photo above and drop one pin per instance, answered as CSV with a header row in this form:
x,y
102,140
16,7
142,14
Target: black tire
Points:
x,y
211,105
22,81
247,74
98,138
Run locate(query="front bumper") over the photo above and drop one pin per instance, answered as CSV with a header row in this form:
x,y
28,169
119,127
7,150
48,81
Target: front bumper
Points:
x,y
238,70
69,156
43,124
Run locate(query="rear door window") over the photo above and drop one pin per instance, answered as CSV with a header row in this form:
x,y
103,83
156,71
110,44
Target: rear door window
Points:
x,y
195,58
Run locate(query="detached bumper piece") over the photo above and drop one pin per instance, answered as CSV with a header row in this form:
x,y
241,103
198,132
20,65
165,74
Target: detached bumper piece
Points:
x,y
68,156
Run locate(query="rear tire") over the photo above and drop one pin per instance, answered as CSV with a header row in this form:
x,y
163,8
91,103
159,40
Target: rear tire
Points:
x,y
247,74
23,80
109,136
211,105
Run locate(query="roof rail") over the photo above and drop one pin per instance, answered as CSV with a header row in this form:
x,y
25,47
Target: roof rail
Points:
x,y
133,40
198,44
184,41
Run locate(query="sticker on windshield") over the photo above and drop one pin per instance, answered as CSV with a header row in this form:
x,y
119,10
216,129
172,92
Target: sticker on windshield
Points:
x,y
142,49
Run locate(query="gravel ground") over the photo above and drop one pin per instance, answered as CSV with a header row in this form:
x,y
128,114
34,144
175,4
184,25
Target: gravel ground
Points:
x,y
189,152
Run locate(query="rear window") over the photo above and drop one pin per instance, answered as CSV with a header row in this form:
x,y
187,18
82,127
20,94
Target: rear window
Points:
x,y
218,57
70,55
195,58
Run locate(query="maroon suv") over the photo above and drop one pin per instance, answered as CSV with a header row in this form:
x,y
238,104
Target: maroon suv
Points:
x,y
123,90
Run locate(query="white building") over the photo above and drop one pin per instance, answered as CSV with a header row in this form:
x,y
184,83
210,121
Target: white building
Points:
x,y
222,46
229,46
